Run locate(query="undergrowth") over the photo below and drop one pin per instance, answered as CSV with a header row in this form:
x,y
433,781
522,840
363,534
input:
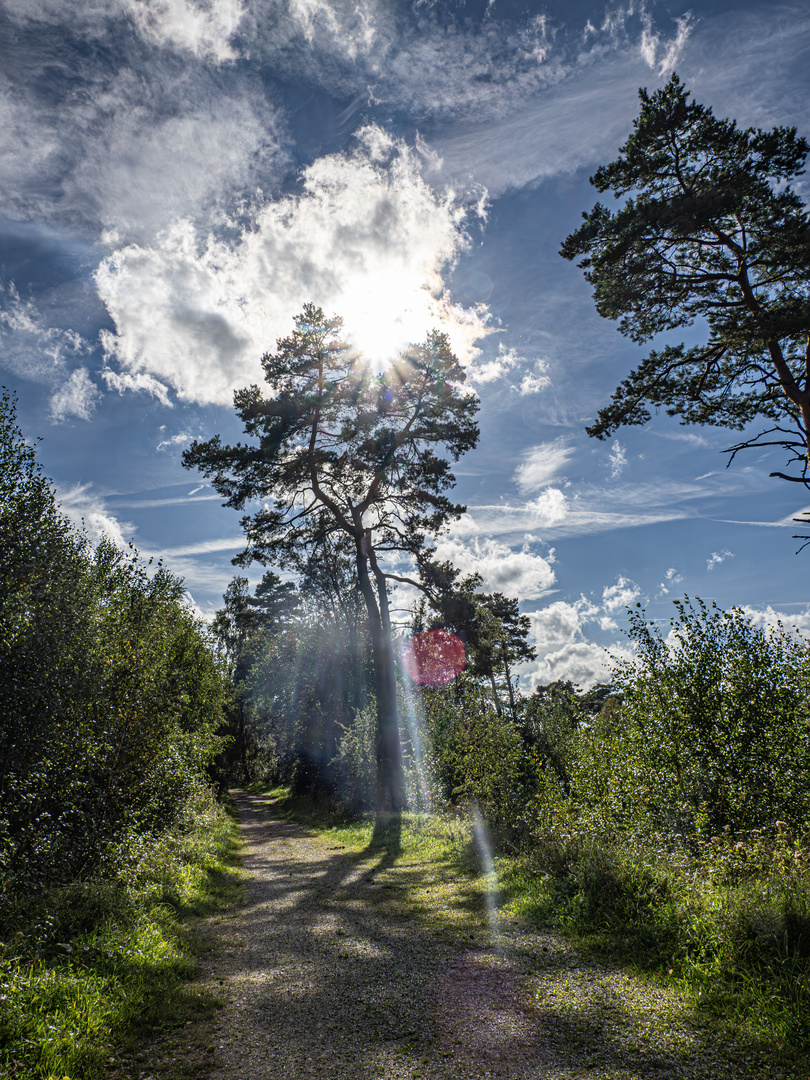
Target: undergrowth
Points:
x,y
90,965
726,925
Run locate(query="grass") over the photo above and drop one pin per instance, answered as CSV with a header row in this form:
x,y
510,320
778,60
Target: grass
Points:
x,y
726,928
729,925
91,970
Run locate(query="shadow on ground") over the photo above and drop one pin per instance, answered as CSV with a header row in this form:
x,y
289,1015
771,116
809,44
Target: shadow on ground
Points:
x,y
333,975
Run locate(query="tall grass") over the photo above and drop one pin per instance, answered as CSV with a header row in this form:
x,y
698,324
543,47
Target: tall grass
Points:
x,y
86,963
728,923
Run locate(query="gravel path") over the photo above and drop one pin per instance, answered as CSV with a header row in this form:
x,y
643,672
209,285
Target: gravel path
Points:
x,y
326,975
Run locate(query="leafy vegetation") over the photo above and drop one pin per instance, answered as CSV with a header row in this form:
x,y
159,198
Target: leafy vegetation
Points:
x,y
111,696
90,969
711,231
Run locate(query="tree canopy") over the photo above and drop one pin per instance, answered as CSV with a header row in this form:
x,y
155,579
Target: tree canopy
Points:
x,y
346,453
110,693
710,231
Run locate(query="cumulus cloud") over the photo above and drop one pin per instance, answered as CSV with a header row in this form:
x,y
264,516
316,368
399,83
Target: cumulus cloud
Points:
x,y
542,464
551,507
621,595
366,238
558,632
77,397
768,618
521,573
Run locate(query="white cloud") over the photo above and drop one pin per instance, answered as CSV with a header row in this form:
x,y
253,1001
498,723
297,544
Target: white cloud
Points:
x,y
366,238
688,437
486,371
181,439
205,547
88,510
77,397
132,148
671,578
154,504
147,159
534,381
768,619
521,574
563,651
542,464
617,459
123,382
29,347
621,595
203,28
549,508
658,53
718,557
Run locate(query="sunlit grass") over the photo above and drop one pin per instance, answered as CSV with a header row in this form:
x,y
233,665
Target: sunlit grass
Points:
x,y
91,966
727,929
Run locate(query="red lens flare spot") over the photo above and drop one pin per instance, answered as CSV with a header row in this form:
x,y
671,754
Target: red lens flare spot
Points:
x,y
434,658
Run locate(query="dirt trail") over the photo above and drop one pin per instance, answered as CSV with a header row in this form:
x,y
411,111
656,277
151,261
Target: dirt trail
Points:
x,y
326,975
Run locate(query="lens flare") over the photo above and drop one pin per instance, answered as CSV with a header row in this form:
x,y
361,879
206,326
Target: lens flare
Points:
x,y
434,658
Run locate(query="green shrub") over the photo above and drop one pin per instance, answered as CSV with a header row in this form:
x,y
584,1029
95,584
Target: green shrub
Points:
x,y
713,731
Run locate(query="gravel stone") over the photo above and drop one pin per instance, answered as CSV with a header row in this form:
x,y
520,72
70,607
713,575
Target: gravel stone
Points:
x,y
325,975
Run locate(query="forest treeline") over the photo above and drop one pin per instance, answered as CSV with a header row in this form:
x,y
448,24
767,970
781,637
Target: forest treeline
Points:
x,y
704,733
111,694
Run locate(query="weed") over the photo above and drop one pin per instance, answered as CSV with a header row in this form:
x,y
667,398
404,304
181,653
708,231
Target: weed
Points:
x,y
106,961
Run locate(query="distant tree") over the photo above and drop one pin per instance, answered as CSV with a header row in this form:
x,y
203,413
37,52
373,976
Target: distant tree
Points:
x,y
501,636
495,632
709,230
341,443
554,715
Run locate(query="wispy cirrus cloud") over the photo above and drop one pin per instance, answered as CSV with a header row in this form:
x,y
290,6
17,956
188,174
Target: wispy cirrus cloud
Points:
x,y
203,29
543,463
585,113
32,349
77,397
89,511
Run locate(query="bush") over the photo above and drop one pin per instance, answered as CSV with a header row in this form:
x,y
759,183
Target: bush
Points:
x,y
110,693
713,731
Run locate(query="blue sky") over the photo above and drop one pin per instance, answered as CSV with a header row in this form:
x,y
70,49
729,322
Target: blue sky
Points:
x,y
178,177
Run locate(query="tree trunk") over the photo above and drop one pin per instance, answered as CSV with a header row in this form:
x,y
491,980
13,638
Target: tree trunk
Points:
x,y
390,776
509,684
